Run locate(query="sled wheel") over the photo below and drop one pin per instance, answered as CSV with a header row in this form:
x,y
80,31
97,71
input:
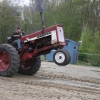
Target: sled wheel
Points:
x,y
61,57
30,67
9,60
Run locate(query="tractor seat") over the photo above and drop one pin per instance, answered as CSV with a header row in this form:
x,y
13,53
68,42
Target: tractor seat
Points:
x,y
10,41
14,44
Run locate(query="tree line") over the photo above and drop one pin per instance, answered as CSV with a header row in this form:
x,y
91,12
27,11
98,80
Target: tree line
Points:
x,y
80,19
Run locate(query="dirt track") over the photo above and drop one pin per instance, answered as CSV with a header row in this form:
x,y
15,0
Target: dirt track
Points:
x,y
53,82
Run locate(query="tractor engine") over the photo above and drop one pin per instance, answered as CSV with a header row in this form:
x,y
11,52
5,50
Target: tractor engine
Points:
x,y
42,42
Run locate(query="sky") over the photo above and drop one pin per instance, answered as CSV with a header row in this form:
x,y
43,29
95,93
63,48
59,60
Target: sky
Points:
x,y
25,2
22,2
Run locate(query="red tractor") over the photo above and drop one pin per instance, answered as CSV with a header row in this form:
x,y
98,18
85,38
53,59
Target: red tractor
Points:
x,y
28,61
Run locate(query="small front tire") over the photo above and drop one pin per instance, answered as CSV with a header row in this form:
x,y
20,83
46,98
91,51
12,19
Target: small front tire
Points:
x,y
61,57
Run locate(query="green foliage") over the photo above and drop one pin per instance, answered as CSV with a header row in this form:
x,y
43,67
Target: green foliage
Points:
x,y
66,15
94,59
91,59
90,47
82,57
9,19
95,43
90,42
71,14
86,42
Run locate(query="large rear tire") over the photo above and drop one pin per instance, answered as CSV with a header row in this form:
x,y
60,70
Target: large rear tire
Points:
x,y
61,57
9,60
30,67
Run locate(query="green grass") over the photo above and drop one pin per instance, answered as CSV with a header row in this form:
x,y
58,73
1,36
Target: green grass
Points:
x,y
86,64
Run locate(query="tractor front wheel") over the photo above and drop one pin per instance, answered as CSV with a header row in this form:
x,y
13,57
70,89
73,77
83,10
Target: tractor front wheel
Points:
x,y
61,57
69,58
30,67
9,60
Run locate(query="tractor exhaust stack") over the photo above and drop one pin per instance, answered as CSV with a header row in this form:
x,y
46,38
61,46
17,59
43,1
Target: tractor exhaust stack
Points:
x,y
40,8
42,19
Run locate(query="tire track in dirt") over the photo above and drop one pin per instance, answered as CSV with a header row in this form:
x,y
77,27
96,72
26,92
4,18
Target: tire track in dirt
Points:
x,y
56,82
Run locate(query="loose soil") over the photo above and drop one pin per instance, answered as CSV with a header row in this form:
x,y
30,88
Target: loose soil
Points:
x,y
52,82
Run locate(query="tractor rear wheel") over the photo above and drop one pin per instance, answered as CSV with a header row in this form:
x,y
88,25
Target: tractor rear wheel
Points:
x,y
30,67
9,60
